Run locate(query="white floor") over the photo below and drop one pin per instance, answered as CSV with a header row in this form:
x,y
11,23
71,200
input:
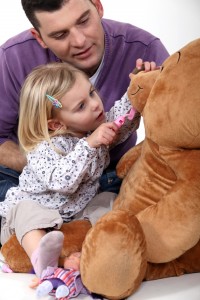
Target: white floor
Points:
x,y
15,286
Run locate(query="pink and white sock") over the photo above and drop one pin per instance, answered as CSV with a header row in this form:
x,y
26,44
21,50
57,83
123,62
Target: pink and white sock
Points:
x,y
48,252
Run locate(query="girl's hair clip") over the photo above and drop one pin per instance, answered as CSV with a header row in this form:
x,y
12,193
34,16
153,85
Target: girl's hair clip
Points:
x,y
54,101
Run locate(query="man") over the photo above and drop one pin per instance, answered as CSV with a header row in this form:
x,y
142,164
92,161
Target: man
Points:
x,y
71,31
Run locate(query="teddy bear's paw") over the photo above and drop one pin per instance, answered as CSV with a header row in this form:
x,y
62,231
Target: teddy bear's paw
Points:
x,y
113,259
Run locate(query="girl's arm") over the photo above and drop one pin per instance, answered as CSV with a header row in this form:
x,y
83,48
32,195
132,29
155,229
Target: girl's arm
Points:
x,y
64,173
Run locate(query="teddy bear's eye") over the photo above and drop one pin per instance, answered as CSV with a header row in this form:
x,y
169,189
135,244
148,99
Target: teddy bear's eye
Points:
x,y
161,68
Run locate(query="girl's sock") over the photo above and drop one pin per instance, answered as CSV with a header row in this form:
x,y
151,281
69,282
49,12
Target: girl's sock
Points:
x,y
48,252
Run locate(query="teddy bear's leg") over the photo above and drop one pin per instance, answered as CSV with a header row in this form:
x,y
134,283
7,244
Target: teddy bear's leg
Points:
x,y
187,263
113,259
159,271
74,234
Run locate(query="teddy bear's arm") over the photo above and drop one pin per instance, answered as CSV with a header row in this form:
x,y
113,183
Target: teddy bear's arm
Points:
x,y
128,159
172,226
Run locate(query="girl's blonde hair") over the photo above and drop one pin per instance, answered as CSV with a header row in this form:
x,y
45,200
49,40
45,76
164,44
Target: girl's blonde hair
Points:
x,y
54,79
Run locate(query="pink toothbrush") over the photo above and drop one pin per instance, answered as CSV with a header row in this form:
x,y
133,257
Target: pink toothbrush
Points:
x,y
120,120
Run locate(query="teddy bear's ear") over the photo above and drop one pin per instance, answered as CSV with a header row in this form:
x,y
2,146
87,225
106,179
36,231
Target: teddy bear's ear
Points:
x,y
131,75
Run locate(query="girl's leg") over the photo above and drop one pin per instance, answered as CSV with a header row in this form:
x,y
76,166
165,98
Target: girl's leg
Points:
x,y
43,248
98,206
31,240
30,220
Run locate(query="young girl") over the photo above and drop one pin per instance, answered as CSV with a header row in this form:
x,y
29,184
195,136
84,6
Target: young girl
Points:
x,y
66,135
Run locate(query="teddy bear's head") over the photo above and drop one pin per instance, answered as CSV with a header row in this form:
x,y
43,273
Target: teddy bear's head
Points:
x,y
169,99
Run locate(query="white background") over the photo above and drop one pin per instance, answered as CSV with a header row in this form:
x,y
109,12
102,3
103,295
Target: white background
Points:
x,y
175,22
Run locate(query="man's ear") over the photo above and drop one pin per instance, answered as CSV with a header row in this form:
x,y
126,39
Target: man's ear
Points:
x,y
38,37
99,7
54,124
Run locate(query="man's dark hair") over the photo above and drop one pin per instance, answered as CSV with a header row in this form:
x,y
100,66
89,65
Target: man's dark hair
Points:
x,y
30,7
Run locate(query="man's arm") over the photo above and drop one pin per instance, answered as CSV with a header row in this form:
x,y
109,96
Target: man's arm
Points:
x,y
11,156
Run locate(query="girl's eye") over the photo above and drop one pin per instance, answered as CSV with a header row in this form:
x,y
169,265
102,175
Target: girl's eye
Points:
x,y
92,92
81,106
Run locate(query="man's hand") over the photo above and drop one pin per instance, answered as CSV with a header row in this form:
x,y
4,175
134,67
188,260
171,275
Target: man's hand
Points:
x,y
105,134
146,66
11,156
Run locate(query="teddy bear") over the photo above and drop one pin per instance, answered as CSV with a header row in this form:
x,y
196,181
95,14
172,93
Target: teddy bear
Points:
x,y
153,229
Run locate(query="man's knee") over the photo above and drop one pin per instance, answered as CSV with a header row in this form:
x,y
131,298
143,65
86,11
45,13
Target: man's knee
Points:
x,y
8,178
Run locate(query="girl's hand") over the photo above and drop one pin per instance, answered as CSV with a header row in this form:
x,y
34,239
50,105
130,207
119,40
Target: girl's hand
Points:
x,y
105,134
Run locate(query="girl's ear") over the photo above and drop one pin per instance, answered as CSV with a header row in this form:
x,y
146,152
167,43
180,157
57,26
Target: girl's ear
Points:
x,y
54,124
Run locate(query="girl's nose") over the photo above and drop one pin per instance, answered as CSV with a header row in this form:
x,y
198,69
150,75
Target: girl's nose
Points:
x,y
95,105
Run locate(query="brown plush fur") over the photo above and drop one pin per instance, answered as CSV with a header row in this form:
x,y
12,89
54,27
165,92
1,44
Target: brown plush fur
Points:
x,y
161,187
153,230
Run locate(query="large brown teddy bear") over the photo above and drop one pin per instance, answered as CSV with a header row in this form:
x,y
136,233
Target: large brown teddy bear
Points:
x,y
153,230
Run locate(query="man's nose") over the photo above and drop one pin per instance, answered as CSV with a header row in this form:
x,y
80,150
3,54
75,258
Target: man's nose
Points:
x,y
77,38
